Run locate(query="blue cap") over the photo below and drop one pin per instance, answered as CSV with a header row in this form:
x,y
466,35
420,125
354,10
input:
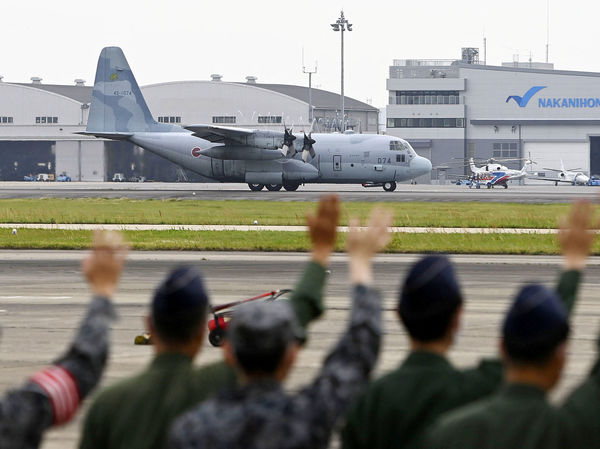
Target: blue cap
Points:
x,y
431,285
535,325
429,297
179,301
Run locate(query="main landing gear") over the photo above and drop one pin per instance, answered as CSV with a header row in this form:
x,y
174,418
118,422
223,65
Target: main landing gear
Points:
x,y
289,186
389,186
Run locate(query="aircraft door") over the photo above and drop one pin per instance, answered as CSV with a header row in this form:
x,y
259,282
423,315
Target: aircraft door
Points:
x,y
217,168
337,162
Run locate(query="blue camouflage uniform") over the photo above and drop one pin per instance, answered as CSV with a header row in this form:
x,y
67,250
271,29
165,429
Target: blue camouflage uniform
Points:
x,y
262,415
52,396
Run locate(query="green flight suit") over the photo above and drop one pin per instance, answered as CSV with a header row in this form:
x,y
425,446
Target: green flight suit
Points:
x,y
517,417
138,412
520,416
396,409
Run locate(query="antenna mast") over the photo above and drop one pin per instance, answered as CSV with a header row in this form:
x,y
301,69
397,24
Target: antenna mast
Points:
x,y
547,28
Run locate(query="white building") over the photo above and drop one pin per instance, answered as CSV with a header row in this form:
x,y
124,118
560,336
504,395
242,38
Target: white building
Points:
x,y
451,110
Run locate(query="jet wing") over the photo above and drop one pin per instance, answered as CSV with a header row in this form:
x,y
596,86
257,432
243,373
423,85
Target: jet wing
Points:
x,y
543,178
220,133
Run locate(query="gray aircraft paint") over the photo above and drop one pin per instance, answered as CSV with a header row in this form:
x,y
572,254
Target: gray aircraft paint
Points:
x,y
119,111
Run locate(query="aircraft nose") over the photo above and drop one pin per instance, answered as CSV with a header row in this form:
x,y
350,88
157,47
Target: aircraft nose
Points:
x,y
421,165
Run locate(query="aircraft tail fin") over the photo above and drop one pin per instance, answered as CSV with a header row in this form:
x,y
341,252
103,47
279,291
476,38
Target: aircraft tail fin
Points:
x,y
562,166
118,105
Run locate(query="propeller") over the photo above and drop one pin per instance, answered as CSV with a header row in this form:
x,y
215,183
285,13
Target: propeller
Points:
x,y
288,149
307,148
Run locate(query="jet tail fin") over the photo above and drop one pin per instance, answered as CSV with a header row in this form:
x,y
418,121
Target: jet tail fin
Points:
x,y
118,105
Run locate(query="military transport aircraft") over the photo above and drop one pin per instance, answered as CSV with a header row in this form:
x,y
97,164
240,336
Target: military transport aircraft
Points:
x,y
258,157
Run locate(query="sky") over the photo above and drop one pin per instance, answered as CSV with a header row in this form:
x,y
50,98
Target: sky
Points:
x,y
60,40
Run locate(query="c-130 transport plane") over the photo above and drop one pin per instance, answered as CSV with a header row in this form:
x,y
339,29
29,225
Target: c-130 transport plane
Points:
x,y
258,157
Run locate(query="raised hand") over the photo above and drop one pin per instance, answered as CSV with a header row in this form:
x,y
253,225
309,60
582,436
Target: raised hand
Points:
x,y
362,245
322,228
576,235
103,266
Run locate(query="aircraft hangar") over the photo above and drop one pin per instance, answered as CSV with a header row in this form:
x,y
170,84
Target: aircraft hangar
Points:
x,y
38,123
454,109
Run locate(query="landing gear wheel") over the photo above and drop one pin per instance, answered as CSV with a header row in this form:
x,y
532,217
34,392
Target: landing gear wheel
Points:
x,y
506,186
389,186
216,336
274,187
291,186
256,187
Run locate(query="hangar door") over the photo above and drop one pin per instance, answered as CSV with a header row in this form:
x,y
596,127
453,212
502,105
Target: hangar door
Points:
x,y
549,154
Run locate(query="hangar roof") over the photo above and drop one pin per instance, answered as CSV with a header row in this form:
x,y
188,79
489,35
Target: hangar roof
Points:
x,y
321,99
82,94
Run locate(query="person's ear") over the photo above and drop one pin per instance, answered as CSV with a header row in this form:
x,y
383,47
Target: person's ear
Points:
x,y
288,360
229,354
149,325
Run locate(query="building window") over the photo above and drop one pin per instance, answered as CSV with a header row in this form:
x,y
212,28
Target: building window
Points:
x,y
223,119
424,97
46,120
426,122
505,149
269,119
6,120
169,119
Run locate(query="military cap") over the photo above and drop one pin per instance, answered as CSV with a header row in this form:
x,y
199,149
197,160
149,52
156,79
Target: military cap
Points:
x,y
536,324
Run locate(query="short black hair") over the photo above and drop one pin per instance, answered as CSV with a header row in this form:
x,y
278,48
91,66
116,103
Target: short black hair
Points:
x,y
179,327
429,298
259,361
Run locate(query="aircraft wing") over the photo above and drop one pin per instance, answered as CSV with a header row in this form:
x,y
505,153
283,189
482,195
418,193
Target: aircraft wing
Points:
x,y
543,178
220,133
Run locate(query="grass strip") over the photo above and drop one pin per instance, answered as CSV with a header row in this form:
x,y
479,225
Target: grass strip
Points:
x,y
125,211
286,241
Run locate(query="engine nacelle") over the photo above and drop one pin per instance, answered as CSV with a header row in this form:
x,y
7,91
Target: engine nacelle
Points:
x,y
241,153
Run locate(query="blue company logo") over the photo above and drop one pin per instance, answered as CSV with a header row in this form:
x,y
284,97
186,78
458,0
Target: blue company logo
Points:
x,y
522,101
558,102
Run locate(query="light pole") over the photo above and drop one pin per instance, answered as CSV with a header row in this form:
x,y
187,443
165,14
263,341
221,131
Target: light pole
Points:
x,y
341,24
310,74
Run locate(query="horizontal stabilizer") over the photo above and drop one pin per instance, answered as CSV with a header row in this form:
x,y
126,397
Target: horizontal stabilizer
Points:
x,y
106,135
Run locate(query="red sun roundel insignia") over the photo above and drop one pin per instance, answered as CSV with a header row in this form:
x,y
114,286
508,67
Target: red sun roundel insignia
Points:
x,y
196,152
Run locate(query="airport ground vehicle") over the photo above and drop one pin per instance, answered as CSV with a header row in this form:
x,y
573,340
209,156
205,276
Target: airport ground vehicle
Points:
x,y
594,181
63,177
30,178
118,177
221,314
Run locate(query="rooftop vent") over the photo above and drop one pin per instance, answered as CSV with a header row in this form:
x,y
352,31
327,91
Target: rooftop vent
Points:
x,y
216,77
36,80
79,82
251,79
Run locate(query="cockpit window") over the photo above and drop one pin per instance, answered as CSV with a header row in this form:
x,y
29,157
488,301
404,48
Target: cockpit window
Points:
x,y
396,145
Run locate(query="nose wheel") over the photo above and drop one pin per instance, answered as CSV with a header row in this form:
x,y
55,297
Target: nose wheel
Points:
x,y
389,186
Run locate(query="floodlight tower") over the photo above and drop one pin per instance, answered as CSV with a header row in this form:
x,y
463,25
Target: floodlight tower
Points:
x,y
341,24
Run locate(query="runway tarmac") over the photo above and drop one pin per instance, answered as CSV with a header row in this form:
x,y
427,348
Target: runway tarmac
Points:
x,y
311,192
43,296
